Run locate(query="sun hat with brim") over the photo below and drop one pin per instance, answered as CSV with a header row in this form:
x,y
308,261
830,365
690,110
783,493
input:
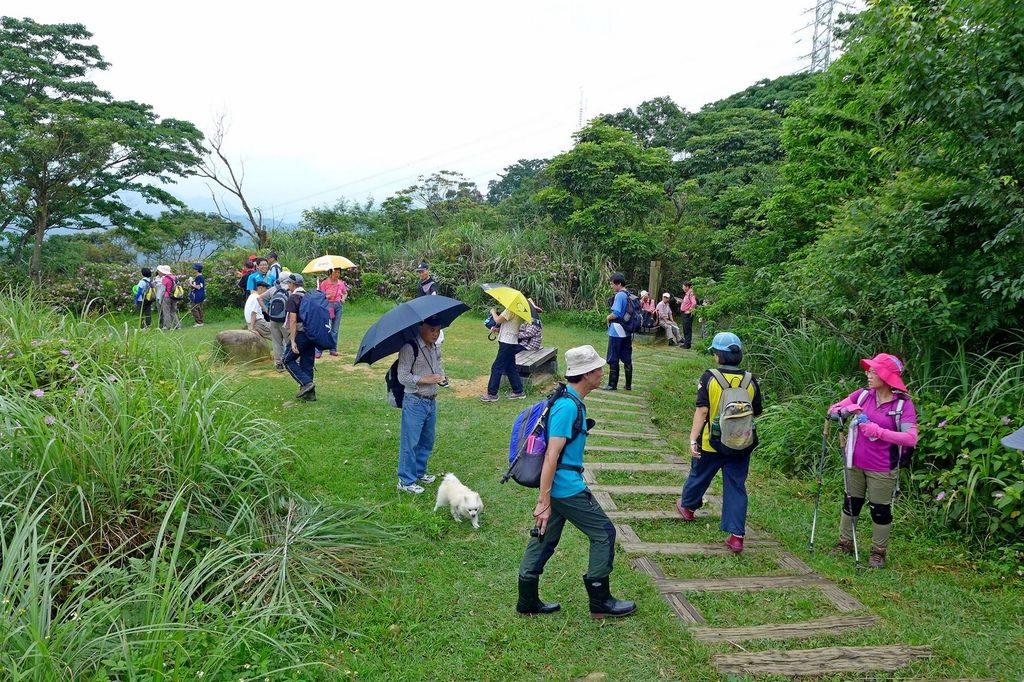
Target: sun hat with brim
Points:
x,y
644,293
1015,440
889,369
582,359
163,269
724,341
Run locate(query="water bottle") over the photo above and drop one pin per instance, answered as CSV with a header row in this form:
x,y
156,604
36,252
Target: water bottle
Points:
x,y
863,419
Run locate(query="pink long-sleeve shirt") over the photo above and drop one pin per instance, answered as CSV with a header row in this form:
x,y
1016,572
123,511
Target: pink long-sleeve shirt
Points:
x,y
877,455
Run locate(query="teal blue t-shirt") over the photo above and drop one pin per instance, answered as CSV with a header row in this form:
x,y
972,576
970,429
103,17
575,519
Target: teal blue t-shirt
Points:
x,y
560,421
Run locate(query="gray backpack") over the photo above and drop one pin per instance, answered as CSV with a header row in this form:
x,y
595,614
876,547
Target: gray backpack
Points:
x,y
733,431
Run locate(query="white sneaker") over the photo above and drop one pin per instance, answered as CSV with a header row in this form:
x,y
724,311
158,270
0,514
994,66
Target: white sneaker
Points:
x,y
427,478
411,488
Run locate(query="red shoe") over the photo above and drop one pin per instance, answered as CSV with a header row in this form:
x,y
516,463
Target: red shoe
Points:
x,y
687,514
334,353
734,543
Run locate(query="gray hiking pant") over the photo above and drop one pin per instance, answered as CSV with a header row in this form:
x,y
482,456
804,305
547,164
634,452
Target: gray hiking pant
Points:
x,y
582,511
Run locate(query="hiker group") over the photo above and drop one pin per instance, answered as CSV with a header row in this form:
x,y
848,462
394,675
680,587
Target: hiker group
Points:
x,y
167,292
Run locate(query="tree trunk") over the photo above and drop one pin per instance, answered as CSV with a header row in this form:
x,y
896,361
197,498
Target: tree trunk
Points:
x,y
35,265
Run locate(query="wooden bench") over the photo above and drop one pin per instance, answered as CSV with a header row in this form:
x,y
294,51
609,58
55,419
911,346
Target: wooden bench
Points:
x,y
537,362
649,335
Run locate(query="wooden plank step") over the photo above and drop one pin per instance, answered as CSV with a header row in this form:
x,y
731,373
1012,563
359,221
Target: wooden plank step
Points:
x,y
791,563
741,583
831,625
623,434
686,611
644,425
644,514
605,501
626,532
636,448
816,662
598,411
638,489
682,548
629,466
843,601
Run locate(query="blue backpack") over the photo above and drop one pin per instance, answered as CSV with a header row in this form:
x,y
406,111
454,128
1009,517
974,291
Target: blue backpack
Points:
x,y
528,443
632,321
316,321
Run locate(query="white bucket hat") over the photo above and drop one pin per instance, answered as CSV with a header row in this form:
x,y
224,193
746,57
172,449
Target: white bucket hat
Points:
x,y
582,359
643,293
163,269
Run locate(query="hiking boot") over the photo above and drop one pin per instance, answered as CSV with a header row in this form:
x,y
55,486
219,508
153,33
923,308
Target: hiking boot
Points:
x,y
529,603
427,478
629,378
488,398
334,353
671,342
279,366
687,514
613,378
877,558
318,354
734,543
842,547
602,603
517,396
310,397
304,389
410,488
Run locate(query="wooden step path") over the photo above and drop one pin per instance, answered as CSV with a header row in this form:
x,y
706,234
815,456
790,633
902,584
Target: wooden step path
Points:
x,y
851,616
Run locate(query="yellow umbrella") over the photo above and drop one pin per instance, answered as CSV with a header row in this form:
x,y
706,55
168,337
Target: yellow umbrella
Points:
x,y
328,262
513,299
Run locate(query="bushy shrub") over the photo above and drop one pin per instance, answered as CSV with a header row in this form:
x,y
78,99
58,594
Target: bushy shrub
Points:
x,y
142,522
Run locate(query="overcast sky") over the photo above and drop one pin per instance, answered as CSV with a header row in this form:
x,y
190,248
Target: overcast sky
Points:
x,y
343,99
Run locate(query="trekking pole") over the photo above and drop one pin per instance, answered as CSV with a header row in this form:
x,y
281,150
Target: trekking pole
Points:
x,y
821,476
846,491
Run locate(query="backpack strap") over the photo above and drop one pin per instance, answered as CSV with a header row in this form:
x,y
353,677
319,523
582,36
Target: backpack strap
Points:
x,y
747,379
862,397
578,427
720,378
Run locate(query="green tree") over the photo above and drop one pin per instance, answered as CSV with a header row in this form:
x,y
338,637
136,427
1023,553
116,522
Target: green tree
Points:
x,y
610,191
657,122
522,174
69,152
177,236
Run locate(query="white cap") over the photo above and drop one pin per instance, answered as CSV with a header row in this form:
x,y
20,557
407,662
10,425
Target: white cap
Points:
x,y
666,295
581,360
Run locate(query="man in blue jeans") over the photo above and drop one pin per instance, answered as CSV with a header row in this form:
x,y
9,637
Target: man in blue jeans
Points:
x,y
420,371
706,461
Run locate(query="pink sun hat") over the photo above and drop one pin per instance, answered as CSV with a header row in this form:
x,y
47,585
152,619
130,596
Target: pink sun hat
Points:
x,y
889,369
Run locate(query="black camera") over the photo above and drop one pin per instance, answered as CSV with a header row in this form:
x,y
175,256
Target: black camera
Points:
x,y
535,533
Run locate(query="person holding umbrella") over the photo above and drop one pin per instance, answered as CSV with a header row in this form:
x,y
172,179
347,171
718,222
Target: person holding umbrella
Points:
x,y
336,290
412,329
420,371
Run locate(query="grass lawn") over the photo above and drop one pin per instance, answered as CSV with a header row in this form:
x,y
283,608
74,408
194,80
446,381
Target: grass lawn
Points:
x,y
446,609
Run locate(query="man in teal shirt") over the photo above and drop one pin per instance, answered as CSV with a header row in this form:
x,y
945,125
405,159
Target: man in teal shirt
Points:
x,y
564,497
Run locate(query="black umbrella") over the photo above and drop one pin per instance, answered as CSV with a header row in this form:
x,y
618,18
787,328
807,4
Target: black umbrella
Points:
x,y
398,325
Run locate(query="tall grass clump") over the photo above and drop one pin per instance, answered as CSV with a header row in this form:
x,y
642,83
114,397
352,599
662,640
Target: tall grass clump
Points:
x,y
143,527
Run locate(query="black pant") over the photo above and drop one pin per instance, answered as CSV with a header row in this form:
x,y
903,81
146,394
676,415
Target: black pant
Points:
x,y
687,329
620,348
505,363
144,309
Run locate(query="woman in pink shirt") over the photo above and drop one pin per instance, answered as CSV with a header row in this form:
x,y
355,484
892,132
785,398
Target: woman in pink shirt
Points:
x,y
882,431
336,291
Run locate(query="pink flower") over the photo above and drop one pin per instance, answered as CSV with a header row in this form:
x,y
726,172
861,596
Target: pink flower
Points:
x,y
940,497
942,424
50,420
1007,421
65,351
36,342
39,393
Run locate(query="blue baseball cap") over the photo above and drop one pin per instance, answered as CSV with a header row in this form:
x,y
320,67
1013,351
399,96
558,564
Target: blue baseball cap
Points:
x,y
422,266
723,341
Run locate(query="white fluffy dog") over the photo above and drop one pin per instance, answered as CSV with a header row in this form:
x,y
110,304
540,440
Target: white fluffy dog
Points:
x,y
462,501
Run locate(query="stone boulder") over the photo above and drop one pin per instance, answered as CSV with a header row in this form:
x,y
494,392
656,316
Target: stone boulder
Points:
x,y
242,345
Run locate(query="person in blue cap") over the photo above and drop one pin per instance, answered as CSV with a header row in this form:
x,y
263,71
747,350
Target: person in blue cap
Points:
x,y
722,437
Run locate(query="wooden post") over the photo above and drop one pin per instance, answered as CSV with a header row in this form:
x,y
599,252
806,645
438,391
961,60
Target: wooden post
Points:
x,y
654,281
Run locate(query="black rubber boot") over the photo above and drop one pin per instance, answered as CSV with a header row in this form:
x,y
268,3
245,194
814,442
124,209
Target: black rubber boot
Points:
x,y
613,378
529,602
602,603
629,377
